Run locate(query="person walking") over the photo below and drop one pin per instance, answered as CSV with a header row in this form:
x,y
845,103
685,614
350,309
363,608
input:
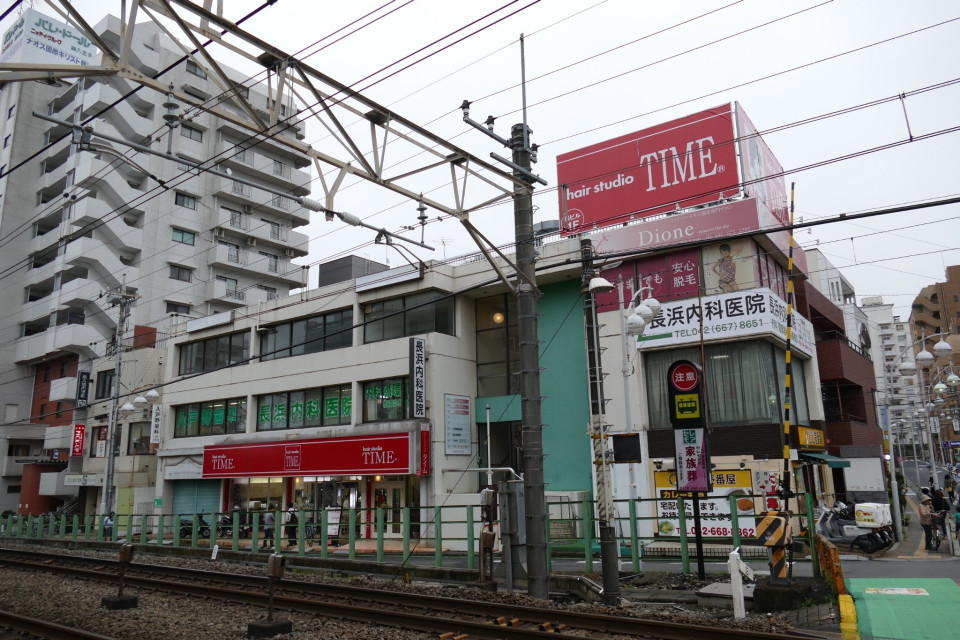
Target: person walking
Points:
x,y
290,519
925,512
941,508
268,530
108,525
948,485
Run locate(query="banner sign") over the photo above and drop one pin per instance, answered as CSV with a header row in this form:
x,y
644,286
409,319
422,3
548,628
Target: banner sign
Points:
x,y
380,454
693,463
83,390
677,164
714,509
418,368
76,449
740,314
424,450
155,424
82,480
762,173
457,421
35,38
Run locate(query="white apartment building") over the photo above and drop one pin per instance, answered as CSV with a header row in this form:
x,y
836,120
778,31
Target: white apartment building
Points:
x,y
76,224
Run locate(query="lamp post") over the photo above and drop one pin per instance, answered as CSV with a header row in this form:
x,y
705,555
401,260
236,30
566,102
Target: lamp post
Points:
x,y
895,488
632,324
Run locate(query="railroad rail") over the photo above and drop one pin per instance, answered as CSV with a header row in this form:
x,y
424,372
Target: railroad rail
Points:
x,y
13,625
414,611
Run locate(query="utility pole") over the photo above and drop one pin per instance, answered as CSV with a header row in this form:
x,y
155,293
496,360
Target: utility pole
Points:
x,y
525,288
124,300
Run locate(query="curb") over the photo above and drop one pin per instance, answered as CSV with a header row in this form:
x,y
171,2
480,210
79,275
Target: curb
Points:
x,y
848,618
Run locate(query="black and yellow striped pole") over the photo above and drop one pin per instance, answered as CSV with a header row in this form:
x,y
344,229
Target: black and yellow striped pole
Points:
x,y
785,489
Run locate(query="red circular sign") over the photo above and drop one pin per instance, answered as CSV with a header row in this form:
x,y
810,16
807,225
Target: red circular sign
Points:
x,y
684,377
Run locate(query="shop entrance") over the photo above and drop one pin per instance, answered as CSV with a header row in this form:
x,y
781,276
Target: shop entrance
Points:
x,y
391,495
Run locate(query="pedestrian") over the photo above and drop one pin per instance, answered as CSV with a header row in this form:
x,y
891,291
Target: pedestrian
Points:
x,y
925,512
948,485
108,525
290,519
268,530
942,508
956,525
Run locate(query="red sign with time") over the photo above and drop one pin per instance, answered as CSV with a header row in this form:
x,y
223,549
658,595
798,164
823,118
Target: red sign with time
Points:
x,y
684,377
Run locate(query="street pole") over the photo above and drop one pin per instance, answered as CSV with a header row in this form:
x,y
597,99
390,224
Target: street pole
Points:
x,y
122,299
894,487
627,370
489,459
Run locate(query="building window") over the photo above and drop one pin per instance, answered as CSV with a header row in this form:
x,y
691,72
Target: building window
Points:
x,y
214,353
59,411
325,332
13,488
741,382
6,142
385,400
236,218
179,309
180,273
138,444
104,386
232,287
271,291
10,111
210,418
18,450
233,251
194,68
274,228
63,369
317,407
98,442
186,237
191,132
272,261
242,91
184,200
498,346
418,313
280,169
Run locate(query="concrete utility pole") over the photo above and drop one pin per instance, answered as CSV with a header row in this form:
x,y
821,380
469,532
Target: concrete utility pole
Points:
x,y
124,300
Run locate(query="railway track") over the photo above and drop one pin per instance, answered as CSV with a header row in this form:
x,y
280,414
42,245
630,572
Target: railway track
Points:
x,y
431,615
20,627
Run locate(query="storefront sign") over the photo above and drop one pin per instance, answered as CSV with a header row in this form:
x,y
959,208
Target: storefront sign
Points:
x,y
381,454
714,508
82,480
424,450
693,473
665,277
155,424
457,420
811,438
681,163
739,314
418,376
83,390
76,449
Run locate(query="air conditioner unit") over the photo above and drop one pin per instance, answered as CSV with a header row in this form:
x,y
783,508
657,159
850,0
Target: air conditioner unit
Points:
x,y
252,241
290,252
218,232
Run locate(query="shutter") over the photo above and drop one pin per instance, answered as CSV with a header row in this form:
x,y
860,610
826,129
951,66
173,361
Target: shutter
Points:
x,y
196,496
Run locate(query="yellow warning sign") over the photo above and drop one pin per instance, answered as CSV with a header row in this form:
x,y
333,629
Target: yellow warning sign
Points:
x,y
687,405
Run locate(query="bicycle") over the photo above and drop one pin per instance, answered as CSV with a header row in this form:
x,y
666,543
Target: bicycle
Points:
x,y
936,535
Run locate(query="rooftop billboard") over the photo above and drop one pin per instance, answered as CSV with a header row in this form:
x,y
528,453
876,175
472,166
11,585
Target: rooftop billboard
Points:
x,y
679,164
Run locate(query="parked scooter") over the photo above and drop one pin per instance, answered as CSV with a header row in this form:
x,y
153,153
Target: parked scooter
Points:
x,y
838,524
225,526
186,527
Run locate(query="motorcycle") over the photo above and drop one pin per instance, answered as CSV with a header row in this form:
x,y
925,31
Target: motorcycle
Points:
x,y
225,526
186,527
838,524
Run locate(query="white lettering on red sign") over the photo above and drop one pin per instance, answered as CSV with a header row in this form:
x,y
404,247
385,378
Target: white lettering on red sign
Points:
x,y
221,462
291,457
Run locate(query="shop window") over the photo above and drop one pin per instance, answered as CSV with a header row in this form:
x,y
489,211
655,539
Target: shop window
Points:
x,y
104,384
308,335
742,382
217,417
385,400
416,314
322,406
214,353
138,442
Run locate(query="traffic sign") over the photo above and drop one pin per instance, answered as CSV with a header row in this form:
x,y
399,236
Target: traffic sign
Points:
x,y
684,376
683,389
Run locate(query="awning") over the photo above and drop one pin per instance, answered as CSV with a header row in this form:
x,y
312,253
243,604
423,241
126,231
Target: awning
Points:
x,y
832,461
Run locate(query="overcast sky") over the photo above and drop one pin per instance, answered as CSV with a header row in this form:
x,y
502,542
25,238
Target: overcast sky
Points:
x,y
795,61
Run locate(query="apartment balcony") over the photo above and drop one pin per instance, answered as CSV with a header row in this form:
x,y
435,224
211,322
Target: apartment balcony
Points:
x,y
261,168
115,190
76,338
254,296
262,268
47,240
12,466
275,237
129,118
63,390
292,133
86,293
218,291
257,200
59,437
841,360
52,484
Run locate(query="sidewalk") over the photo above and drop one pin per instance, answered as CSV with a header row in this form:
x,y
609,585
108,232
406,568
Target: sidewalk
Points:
x,y
912,547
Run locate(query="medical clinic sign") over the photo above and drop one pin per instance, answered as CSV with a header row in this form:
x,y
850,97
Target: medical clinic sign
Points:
x,y
381,454
677,164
